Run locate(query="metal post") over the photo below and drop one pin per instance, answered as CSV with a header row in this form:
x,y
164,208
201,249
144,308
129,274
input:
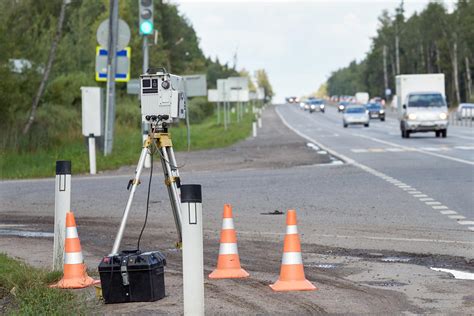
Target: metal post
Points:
x,y
224,104
188,126
218,104
92,164
111,70
145,125
193,262
62,205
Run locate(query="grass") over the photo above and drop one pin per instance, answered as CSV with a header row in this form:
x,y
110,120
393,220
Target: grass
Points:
x,y
127,143
24,291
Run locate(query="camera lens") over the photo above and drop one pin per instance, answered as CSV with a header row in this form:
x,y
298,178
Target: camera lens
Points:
x,y
165,84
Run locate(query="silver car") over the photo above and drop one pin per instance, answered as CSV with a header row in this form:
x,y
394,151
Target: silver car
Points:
x,y
355,114
465,111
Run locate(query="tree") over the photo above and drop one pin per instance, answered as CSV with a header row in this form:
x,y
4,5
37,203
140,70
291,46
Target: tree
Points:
x,y
264,82
49,65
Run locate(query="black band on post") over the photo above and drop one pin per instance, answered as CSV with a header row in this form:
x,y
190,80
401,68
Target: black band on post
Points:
x,y
63,167
191,193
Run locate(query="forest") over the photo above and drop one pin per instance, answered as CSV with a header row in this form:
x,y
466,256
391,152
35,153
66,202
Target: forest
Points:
x,y
27,32
431,41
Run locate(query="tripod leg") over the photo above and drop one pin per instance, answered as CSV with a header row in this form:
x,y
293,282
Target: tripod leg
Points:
x,y
170,181
136,180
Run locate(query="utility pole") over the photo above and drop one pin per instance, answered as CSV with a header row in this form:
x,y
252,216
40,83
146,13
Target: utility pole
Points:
x,y
385,75
469,80
111,70
397,52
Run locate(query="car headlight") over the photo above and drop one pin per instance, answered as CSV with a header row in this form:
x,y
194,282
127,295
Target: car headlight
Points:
x,y
382,112
412,116
443,116
322,106
312,106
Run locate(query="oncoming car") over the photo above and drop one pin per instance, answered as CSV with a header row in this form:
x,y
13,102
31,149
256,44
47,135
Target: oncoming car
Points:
x,y
316,105
342,106
354,115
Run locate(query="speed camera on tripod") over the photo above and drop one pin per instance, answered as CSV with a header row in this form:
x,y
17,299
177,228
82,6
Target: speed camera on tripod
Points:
x,y
162,96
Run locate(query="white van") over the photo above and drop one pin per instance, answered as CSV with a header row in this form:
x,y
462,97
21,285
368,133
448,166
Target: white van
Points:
x,y
422,104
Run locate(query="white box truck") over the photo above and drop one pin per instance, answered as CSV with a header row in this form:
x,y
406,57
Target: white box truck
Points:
x,y
362,97
421,103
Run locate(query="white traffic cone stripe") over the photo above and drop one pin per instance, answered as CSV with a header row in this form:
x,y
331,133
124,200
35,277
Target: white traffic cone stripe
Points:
x,y
227,223
228,249
71,232
292,258
291,229
73,258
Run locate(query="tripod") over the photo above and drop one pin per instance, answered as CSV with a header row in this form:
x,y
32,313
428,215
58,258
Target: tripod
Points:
x,y
161,139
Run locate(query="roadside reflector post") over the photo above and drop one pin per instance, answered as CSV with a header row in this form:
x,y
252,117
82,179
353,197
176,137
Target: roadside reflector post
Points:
x,y
259,122
254,129
193,262
92,155
62,205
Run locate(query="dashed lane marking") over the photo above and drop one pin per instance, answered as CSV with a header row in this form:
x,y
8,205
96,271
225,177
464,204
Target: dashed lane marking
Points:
x,y
466,222
432,203
435,205
448,212
456,217
408,149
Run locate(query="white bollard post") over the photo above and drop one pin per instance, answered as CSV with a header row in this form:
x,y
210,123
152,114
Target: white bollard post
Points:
x,y
259,122
193,262
62,205
254,129
92,162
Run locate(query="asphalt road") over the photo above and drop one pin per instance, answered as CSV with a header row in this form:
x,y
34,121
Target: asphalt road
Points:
x,y
436,174
357,220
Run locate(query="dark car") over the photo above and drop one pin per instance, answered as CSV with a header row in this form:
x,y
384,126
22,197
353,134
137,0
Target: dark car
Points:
x,y
375,111
316,105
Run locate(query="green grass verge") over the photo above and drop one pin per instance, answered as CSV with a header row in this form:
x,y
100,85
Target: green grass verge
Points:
x,y
24,291
127,144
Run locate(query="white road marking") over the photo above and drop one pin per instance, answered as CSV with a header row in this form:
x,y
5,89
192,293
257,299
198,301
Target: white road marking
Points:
x,y
417,150
359,150
448,212
471,228
420,195
383,176
464,147
456,217
466,222
432,203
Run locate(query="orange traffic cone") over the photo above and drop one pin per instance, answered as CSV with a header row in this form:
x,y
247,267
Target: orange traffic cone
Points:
x,y
75,275
292,272
228,262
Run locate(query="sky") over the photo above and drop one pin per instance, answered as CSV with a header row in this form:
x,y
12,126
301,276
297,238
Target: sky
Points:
x,y
298,43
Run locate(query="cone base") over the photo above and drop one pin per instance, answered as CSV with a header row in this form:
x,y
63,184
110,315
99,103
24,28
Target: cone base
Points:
x,y
228,274
76,283
282,286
